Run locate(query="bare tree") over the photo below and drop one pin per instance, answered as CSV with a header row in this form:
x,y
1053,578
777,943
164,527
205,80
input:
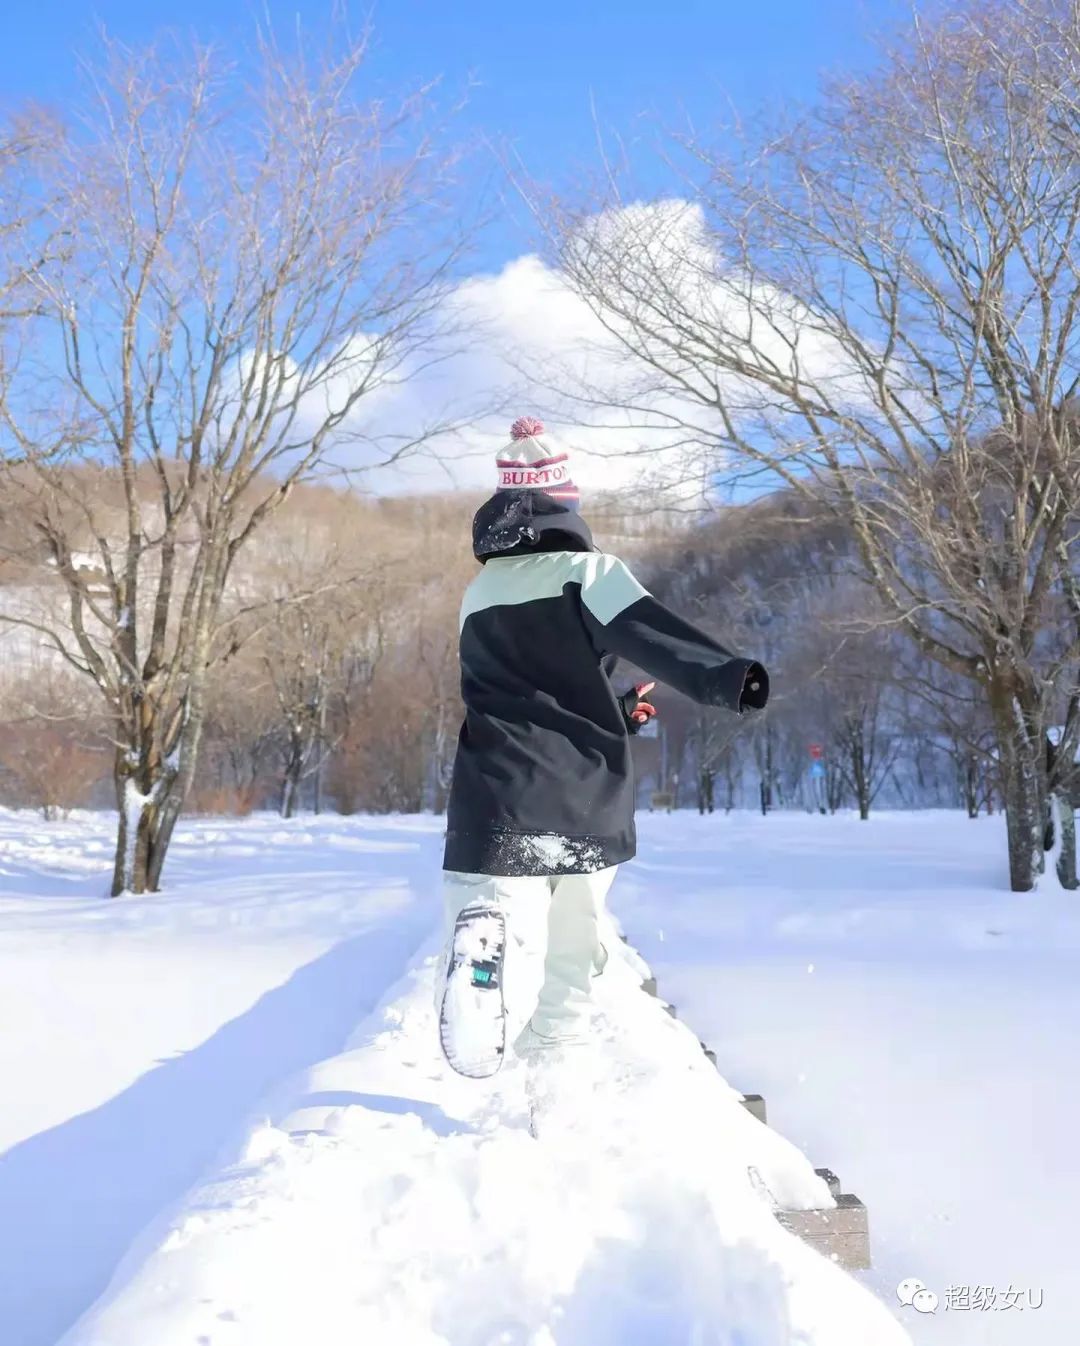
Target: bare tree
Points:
x,y
327,612
950,717
24,212
300,669
52,753
877,305
864,756
853,663
238,754
244,263
713,744
29,240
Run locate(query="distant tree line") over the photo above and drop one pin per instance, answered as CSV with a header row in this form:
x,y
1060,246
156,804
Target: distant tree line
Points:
x,y
338,689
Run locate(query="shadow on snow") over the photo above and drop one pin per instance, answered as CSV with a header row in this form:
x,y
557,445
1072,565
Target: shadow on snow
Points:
x,y
84,1189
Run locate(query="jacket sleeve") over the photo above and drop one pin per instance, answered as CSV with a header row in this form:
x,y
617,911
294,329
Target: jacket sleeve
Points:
x,y
624,619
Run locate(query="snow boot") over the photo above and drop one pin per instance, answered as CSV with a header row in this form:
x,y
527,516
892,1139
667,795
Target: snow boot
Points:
x,y
560,1072
472,1011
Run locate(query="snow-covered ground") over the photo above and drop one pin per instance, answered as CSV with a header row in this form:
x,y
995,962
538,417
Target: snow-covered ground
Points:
x,y
180,1116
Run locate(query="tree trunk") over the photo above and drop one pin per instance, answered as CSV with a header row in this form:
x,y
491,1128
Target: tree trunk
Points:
x,y
290,789
768,767
440,764
970,782
151,786
1066,824
300,746
320,748
1024,820
168,816
859,773
834,788
1023,782
766,788
148,813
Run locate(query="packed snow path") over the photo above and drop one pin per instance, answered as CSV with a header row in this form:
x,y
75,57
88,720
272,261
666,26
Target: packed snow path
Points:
x,y
376,1193
139,1034
383,1199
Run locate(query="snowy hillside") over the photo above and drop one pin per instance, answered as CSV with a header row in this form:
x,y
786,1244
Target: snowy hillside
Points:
x,y
182,1107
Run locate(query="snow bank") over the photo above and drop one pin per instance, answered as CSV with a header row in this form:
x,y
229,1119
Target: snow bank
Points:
x,y
139,1034
912,1024
383,1198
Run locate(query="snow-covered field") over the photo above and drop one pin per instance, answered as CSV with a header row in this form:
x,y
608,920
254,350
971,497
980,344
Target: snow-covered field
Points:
x,y
225,1121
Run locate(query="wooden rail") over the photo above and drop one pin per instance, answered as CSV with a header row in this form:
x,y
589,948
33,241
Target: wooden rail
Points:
x,y
841,1232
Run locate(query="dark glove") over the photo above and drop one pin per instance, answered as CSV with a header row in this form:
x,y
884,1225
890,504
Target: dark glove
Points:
x,y
635,711
755,690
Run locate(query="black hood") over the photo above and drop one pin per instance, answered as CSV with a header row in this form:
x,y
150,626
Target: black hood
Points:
x,y
515,523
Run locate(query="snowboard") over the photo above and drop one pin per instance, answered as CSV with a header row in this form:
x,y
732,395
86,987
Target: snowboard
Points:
x,y
472,1012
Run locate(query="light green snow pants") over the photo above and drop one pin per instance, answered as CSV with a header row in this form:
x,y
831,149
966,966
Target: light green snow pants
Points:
x,y
553,945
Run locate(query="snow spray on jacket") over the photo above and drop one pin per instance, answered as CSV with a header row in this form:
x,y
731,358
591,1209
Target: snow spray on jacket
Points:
x,y
543,779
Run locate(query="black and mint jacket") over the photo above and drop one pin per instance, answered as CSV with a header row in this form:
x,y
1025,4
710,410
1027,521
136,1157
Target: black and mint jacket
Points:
x,y
543,779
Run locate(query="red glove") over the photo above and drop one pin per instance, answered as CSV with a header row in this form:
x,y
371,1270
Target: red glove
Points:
x,y
637,712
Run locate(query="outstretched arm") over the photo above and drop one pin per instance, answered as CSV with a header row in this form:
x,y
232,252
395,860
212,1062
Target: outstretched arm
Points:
x,y
623,618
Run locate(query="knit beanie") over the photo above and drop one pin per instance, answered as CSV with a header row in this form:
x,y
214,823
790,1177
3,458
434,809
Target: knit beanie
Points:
x,y
530,463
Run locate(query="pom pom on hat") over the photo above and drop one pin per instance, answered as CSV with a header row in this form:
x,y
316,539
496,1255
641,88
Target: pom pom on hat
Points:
x,y
527,463
525,427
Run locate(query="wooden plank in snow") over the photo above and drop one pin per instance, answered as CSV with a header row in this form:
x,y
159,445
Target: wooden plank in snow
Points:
x,y
841,1233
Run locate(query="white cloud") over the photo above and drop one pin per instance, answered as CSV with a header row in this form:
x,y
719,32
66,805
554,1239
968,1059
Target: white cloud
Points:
x,y
528,345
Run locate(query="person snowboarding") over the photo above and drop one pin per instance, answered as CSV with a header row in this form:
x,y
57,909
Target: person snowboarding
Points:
x,y
541,806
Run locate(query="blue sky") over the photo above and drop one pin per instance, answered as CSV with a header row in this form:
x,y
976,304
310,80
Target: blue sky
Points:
x,y
536,67
534,73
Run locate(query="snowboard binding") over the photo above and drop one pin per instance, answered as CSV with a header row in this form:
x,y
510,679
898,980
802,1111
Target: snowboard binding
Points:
x,y
485,974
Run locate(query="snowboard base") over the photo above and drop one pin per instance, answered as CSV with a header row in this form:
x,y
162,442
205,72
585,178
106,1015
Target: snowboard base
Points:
x,y
472,1012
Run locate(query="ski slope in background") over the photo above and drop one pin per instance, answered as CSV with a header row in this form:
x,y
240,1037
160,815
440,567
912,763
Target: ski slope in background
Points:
x,y
180,1119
